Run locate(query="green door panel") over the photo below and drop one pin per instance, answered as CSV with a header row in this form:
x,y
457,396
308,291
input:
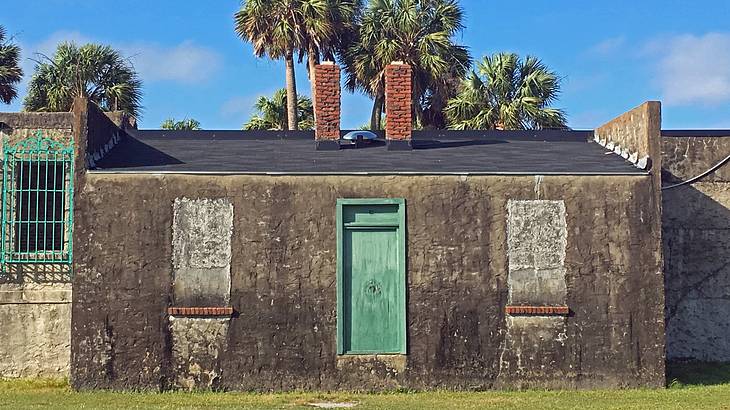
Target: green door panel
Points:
x,y
371,286
371,315
376,214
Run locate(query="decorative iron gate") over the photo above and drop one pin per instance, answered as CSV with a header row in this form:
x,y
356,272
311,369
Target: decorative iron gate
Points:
x,y
37,202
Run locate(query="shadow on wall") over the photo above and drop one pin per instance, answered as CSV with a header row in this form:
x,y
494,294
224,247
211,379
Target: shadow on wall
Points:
x,y
697,374
40,273
696,236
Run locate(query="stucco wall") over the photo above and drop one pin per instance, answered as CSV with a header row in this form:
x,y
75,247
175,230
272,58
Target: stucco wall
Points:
x,y
35,330
35,301
696,231
283,285
636,136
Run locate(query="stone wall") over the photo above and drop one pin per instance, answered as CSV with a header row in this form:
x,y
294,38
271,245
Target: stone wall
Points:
x,y
635,135
696,232
22,125
35,330
282,335
35,300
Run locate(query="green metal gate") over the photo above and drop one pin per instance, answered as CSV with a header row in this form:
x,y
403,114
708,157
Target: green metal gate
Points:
x,y
37,202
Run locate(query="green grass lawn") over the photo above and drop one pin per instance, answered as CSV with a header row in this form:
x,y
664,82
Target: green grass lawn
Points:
x,y
691,387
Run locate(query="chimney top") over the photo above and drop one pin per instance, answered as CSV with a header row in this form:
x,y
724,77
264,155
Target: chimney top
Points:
x,y
327,62
398,63
327,106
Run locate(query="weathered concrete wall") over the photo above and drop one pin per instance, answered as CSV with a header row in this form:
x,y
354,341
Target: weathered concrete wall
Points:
x,y
201,260
96,133
686,157
696,232
537,238
35,300
21,125
636,136
198,346
283,285
35,330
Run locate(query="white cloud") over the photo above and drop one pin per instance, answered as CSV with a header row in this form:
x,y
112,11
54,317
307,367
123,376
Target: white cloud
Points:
x,y
49,45
582,83
32,52
608,46
185,63
240,106
588,119
693,69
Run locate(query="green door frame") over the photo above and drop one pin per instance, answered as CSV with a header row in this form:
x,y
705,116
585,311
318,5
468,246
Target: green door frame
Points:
x,y
401,203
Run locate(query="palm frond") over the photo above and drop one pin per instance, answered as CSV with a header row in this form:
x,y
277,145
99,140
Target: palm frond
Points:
x,y
10,71
507,92
95,71
271,113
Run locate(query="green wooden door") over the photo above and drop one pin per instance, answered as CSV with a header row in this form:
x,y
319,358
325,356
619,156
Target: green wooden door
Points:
x,y
371,284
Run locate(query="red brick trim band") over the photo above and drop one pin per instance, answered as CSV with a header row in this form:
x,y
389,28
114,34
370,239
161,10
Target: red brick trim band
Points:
x,y
537,310
200,311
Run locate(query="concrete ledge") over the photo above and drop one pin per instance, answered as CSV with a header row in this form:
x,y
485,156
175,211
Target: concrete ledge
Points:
x,y
395,362
48,296
200,311
537,310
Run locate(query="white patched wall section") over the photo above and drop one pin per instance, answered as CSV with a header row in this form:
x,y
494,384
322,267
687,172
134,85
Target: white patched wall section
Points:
x,y
201,240
537,237
201,256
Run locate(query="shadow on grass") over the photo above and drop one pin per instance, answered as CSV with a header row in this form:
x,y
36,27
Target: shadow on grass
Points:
x,y
685,374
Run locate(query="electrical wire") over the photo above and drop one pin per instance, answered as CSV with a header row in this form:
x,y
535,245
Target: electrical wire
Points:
x,y
700,176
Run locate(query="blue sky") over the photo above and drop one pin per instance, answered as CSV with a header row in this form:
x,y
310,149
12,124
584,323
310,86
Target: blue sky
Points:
x,y
612,55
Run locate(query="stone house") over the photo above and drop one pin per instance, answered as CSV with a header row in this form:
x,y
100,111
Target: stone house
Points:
x,y
425,259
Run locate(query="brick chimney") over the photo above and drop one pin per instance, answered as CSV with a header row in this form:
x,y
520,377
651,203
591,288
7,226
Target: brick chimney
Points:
x,y
398,110
327,106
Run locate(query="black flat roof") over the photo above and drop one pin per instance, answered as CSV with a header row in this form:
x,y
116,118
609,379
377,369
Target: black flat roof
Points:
x,y
435,152
696,133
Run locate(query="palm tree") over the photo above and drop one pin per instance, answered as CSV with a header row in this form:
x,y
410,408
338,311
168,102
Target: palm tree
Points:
x,y
10,72
272,113
94,71
184,124
419,33
328,28
271,27
507,93
281,28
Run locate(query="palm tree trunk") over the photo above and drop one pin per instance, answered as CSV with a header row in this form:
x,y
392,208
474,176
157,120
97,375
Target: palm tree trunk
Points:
x,y
313,60
291,92
377,114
